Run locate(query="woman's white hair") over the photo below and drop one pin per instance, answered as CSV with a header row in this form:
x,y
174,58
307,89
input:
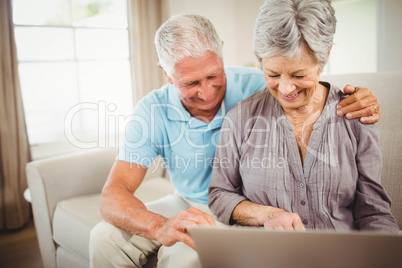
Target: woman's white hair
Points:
x,y
183,36
283,27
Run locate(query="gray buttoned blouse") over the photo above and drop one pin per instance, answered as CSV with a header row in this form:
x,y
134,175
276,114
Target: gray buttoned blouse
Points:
x,y
338,187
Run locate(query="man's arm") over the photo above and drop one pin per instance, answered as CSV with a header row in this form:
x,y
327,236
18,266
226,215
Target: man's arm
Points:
x,y
360,104
121,208
252,214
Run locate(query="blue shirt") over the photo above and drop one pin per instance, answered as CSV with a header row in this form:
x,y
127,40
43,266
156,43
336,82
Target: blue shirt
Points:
x,y
160,125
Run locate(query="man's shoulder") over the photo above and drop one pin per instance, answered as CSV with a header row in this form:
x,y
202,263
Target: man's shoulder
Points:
x,y
160,95
243,71
244,81
153,103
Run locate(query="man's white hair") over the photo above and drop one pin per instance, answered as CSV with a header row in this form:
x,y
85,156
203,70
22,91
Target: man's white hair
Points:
x,y
185,36
284,27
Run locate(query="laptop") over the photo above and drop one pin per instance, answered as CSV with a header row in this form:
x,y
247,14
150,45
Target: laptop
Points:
x,y
242,247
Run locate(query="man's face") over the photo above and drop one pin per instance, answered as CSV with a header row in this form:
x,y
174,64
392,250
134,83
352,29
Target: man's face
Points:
x,y
201,83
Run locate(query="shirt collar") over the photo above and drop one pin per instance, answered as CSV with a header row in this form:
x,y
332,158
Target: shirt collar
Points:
x,y
177,112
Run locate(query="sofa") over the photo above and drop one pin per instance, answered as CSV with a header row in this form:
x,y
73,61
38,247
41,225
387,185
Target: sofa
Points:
x,y
65,190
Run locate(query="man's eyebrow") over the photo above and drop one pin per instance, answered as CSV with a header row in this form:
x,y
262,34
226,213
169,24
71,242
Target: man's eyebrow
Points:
x,y
192,81
187,82
216,72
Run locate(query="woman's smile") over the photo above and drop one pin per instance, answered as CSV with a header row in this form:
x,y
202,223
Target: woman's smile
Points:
x,y
291,97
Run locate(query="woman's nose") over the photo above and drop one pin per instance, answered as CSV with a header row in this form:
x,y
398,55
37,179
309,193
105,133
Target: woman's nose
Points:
x,y
286,86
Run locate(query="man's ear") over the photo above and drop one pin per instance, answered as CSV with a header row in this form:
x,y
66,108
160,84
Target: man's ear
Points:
x,y
170,80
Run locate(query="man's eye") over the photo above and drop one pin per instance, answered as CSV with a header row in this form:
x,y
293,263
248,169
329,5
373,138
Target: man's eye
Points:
x,y
191,84
212,77
274,76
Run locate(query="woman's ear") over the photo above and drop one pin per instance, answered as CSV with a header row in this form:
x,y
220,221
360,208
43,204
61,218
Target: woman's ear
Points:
x,y
329,52
326,62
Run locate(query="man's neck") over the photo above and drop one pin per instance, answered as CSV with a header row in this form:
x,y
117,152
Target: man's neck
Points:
x,y
205,116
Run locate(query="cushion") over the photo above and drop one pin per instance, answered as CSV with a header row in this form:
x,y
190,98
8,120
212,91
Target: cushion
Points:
x,y
74,218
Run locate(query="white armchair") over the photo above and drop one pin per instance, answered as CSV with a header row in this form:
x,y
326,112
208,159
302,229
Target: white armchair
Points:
x,y
65,193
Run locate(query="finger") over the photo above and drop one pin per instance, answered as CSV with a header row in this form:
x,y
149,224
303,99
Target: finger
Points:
x,y
267,227
186,239
184,225
359,95
201,217
273,225
298,226
349,89
357,106
287,222
289,228
371,119
366,112
211,220
279,228
296,223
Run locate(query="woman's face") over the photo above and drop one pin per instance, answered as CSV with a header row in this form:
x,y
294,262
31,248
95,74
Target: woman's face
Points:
x,y
292,81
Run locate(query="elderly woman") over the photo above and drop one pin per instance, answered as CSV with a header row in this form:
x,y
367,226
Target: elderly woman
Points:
x,y
284,159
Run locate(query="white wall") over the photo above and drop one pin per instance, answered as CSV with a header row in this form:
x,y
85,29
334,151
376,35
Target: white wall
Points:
x,y
355,46
233,20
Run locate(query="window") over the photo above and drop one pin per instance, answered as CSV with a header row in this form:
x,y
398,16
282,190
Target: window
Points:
x,y
74,68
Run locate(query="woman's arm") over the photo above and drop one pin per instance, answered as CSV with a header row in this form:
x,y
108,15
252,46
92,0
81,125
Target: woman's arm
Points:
x,y
372,206
226,199
225,189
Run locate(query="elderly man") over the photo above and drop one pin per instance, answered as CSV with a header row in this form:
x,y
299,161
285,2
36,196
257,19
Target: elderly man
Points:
x,y
181,122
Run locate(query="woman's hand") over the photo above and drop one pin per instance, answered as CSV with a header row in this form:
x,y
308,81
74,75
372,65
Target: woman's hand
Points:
x,y
283,220
361,104
272,218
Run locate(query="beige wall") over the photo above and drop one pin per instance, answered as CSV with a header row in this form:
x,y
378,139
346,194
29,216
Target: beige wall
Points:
x,y
234,21
389,41
368,38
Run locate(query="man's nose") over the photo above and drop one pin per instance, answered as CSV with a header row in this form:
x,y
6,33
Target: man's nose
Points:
x,y
205,91
286,86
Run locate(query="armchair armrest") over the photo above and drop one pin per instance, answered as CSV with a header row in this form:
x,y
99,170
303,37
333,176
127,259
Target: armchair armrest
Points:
x,y
59,178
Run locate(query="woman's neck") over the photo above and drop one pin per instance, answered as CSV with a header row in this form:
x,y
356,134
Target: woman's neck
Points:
x,y
303,119
309,113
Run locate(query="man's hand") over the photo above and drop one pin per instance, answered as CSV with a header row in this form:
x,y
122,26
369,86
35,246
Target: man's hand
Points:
x,y
362,103
176,229
283,220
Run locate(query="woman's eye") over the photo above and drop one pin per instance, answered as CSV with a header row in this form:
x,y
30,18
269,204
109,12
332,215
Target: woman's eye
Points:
x,y
299,76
